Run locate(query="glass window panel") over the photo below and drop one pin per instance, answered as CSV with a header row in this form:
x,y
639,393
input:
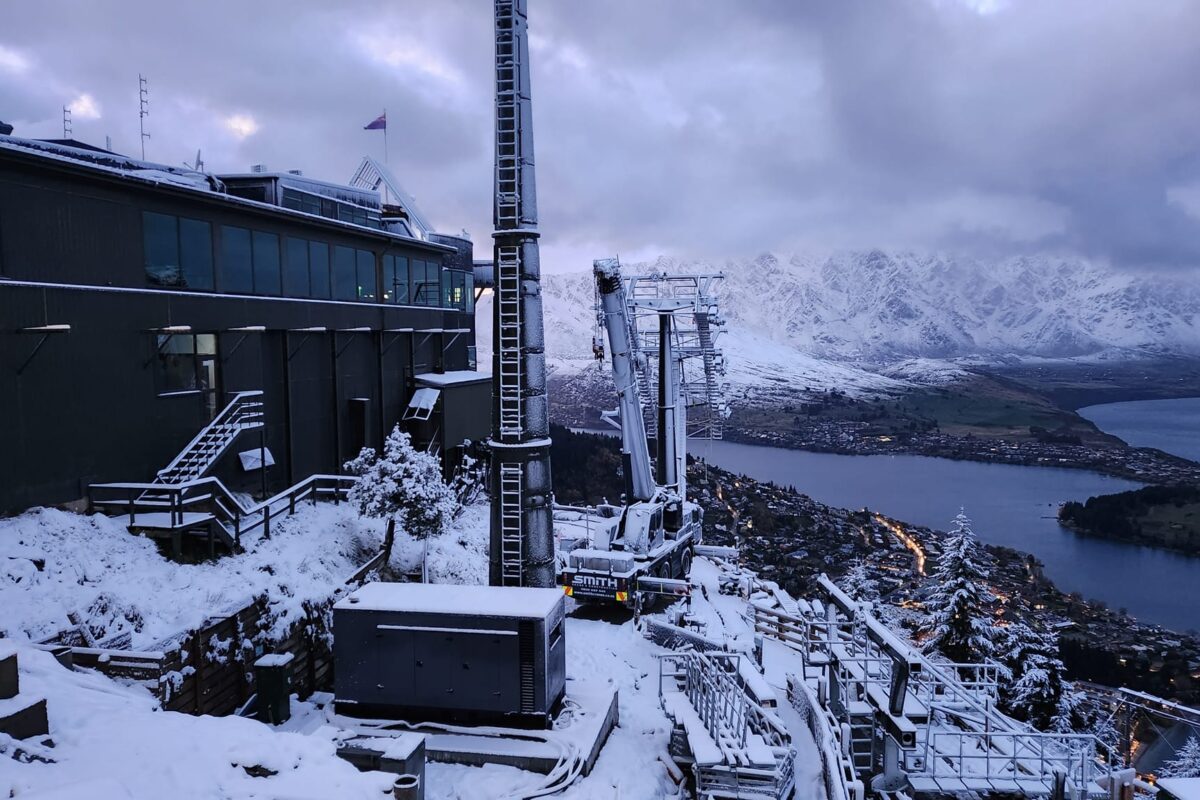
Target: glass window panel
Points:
x,y
196,253
318,268
236,273
447,289
206,344
293,200
295,274
387,281
177,373
366,276
176,343
469,292
345,278
266,263
401,289
420,283
160,239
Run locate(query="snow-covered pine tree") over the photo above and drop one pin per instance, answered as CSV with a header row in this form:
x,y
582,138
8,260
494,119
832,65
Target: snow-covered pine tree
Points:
x,y
1186,763
959,626
1038,691
405,485
858,583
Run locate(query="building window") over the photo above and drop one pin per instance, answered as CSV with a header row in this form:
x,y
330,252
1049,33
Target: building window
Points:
x,y
237,274
457,287
318,269
266,264
366,276
178,252
187,363
426,283
345,277
296,281
395,279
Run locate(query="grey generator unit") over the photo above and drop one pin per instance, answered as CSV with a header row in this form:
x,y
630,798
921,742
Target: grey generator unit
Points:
x,y
494,654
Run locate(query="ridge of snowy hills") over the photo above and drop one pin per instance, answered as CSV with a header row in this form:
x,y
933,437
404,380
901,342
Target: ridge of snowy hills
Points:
x,y
873,323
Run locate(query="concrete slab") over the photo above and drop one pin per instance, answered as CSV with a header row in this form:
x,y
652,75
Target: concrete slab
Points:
x,y
593,715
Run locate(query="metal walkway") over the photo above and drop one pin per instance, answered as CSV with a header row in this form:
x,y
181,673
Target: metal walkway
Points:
x,y
735,747
905,725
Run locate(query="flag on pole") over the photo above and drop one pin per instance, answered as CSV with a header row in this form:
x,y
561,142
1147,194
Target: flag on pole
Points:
x,y
377,124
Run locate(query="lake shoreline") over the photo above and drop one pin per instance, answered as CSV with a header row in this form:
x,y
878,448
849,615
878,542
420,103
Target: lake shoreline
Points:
x,y
1142,464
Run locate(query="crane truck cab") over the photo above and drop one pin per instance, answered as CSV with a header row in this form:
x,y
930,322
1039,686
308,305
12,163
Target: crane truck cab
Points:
x,y
620,569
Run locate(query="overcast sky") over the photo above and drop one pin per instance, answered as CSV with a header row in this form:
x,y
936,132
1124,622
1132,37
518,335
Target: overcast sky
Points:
x,y
695,128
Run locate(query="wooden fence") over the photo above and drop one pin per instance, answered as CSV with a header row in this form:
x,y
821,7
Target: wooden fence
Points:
x,y
210,669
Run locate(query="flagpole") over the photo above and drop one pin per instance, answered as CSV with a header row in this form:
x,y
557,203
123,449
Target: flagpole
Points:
x,y
385,146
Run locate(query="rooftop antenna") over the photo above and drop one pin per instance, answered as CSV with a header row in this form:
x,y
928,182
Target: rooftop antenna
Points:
x,y
199,165
108,142
143,111
67,130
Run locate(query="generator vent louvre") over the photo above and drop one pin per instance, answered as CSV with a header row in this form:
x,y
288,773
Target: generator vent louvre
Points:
x,y
526,630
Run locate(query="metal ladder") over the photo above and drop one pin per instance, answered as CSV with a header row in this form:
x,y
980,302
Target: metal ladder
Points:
x,y
862,742
508,160
512,556
508,299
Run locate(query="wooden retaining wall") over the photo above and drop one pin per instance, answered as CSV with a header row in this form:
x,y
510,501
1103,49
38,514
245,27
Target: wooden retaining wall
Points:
x,y
210,670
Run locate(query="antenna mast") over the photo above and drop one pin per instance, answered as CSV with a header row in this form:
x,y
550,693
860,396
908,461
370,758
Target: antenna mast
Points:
x,y
143,111
522,535
67,130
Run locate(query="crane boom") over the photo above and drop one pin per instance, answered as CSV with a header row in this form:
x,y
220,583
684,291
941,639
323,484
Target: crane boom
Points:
x,y
634,450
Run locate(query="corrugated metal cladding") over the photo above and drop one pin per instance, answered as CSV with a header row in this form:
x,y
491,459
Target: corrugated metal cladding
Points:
x,y
90,405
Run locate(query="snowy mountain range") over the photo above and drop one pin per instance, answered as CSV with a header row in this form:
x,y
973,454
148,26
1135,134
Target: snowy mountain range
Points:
x,y
874,322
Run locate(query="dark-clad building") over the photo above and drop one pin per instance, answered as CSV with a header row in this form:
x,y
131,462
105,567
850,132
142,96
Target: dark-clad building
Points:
x,y
137,300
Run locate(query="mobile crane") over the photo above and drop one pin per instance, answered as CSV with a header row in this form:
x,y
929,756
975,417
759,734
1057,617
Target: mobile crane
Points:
x,y
648,546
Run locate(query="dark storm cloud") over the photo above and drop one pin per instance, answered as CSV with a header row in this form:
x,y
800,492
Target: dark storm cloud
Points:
x,y
708,129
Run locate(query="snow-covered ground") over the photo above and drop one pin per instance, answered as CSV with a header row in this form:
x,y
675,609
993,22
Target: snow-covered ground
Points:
x,y
54,563
112,742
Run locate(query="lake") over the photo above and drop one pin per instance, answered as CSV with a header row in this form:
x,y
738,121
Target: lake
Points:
x,y
1010,505
1170,425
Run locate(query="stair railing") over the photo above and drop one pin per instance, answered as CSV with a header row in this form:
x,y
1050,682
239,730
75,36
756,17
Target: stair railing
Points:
x,y
209,495
244,412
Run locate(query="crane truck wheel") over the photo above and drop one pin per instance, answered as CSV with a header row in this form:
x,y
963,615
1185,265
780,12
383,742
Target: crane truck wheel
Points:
x,y
685,565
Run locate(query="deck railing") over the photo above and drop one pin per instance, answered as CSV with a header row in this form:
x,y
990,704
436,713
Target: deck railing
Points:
x,y
210,498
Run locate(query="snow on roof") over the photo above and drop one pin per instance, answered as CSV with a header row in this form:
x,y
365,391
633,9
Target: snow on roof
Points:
x,y
1182,788
423,398
431,598
452,378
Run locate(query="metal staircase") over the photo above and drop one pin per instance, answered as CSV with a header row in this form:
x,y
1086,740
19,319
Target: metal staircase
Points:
x,y
244,413
508,284
512,555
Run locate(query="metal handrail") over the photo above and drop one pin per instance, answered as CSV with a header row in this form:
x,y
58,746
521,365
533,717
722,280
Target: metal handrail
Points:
x,y
235,407
188,494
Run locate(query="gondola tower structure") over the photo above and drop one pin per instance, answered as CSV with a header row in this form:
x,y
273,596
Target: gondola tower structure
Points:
x,y
522,537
